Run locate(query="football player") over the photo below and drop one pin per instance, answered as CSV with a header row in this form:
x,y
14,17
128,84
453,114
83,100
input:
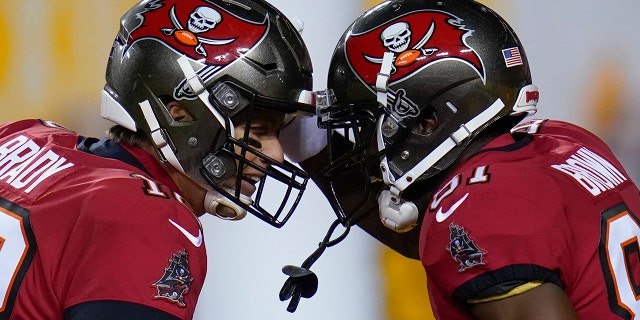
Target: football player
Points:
x,y
107,228
430,152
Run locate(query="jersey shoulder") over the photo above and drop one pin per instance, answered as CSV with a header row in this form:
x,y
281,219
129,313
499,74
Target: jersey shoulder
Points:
x,y
562,131
38,157
34,154
119,189
551,152
34,127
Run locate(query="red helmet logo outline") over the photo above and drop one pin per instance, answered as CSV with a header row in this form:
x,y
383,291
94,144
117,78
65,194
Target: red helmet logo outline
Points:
x,y
417,39
202,32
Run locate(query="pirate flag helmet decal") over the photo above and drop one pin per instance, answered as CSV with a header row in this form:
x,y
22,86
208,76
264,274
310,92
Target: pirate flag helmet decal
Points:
x,y
404,61
227,63
208,29
416,40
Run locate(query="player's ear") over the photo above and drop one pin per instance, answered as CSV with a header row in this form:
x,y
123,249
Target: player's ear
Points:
x,y
426,125
177,112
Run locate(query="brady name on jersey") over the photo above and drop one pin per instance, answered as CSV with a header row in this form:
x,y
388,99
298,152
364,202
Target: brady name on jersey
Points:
x,y
100,209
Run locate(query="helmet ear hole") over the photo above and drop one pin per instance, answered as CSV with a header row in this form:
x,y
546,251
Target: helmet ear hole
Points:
x,y
178,113
426,124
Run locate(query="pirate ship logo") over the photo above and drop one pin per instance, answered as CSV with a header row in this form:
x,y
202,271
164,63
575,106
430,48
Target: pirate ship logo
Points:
x,y
463,249
417,40
200,32
176,280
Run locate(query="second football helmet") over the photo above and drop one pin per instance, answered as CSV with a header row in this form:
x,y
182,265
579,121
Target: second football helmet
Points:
x,y
402,62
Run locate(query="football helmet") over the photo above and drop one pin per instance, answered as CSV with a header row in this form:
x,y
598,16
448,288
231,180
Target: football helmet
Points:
x,y
222,61
404,61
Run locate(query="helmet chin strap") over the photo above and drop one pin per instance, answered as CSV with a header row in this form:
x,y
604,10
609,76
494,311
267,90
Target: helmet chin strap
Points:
x,y
392,206
396,213
382,80
223,208
214,202
404,214
158,136
197,86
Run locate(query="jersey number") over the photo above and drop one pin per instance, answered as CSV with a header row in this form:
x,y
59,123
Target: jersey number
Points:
x,y
620,257
17,247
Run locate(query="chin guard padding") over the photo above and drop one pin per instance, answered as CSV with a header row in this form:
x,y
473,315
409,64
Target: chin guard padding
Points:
x,y
216,204
399,216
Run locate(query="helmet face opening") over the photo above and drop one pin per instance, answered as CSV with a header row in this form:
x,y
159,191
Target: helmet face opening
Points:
x,y
457,62
351,130
225,168
353,157
220,61
282,179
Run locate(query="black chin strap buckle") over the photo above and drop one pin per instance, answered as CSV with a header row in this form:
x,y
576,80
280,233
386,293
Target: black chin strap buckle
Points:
x,y
302,282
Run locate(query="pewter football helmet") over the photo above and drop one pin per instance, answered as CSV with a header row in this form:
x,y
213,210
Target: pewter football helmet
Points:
x,y
401,62
221,61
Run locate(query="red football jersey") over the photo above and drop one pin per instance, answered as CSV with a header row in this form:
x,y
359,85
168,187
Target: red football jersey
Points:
x,y
555,206
76,227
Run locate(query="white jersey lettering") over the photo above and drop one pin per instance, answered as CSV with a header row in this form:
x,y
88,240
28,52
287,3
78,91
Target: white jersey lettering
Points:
x,y
24,164
17,151
593,172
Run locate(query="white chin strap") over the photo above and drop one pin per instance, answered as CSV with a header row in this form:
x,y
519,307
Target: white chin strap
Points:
x,y
198,88
396,213
111,112
213,200
455,139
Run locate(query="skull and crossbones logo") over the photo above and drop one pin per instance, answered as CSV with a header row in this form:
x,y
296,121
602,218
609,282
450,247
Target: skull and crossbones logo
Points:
x,y
202,19
397,39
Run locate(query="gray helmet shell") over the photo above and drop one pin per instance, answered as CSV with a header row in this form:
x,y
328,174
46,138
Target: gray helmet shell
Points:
x,y
404,60
215,58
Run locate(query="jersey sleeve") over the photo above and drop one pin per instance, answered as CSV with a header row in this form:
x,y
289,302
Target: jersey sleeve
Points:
x,y
557,208
499,234
134,241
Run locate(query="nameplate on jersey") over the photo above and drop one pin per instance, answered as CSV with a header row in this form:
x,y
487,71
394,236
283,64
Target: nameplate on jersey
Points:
x,y
24,164
593,172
